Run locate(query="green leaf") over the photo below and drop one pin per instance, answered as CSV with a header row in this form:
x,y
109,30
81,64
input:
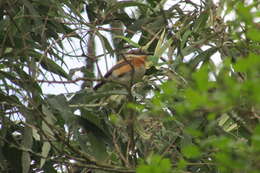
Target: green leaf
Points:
x,y
244,12
185,37
51,66
247,64
223,159
202,79
201,21
105,42
162,45
45,151
89,96
49,120
155,164
94,125
191,151
60,104
98,147
146,46
28,82
188,50
253,34
27,144
33,12
256,139
128,41
160,42
202,57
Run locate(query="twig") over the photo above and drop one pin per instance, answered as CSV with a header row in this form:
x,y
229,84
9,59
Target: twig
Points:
x,y
118,150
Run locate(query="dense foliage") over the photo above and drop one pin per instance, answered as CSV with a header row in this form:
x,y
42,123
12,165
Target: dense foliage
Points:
x,y
197,109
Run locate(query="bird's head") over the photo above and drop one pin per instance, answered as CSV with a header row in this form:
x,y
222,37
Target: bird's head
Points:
x,y
137,53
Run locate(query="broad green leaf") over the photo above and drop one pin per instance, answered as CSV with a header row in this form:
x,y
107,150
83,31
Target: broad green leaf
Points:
x,y
155,164
244,12
246,64
256,139
191,151
98,147
254,34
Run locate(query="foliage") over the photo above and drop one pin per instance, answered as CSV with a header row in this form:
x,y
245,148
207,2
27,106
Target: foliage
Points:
x,y
189,114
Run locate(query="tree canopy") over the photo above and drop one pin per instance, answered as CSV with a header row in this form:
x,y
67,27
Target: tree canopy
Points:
x,y
197,108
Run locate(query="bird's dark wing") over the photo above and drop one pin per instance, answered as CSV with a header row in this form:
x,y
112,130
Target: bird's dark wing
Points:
x,y
118,65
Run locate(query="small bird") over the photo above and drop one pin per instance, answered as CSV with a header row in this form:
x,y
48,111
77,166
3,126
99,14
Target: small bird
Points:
x,y
128,70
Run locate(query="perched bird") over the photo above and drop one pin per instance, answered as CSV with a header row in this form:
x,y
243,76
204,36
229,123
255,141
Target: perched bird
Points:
x,y
128,70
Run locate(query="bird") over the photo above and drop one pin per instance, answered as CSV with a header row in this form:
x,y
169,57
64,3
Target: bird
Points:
x,y
128,70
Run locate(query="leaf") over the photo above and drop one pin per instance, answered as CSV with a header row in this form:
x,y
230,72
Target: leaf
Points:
x,y
51,66
161,46
46,147
254,34
247,64
13,100
146,46
27,144
155,164
201,21
128,41
89,97
94,125
256,139
60,104
98,147
191,151
244,12
50,121
187,51
33,12
160,42
105,42
165,46
35,134
185,37
203,56
27,81
137,24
